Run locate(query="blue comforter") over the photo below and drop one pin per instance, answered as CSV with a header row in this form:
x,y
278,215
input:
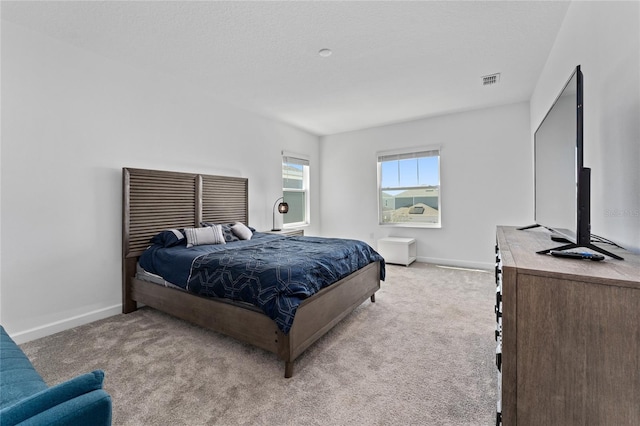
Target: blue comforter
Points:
x,y
272,272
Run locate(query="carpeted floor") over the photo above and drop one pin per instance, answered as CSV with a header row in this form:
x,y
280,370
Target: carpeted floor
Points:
x,y
423,354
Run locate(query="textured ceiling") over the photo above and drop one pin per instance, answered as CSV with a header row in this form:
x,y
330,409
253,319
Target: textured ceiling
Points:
x,y
392,61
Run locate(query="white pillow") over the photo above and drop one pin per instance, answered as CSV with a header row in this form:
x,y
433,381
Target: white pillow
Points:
x,y
201,236
241,231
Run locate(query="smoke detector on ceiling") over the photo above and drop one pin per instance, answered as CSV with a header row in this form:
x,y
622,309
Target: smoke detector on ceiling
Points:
x,y
488,80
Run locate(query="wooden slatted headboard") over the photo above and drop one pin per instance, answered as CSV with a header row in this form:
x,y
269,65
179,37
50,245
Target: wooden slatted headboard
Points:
x,y
154,200
225,199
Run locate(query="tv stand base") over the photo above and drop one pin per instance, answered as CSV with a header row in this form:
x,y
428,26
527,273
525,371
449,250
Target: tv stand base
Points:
x,y
588,246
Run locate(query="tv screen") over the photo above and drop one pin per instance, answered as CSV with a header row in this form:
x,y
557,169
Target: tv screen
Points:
x,y
558,163
562,183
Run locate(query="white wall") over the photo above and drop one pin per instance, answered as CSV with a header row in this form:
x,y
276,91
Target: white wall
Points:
x,y
604,38
70,121
486,180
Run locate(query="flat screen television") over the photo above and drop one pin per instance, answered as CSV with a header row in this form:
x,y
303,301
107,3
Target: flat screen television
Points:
x,y
562,183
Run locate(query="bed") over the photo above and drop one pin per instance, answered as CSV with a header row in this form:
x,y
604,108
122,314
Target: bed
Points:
x,y
155,200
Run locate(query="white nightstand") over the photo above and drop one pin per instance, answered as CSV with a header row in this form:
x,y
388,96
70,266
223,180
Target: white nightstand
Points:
x,y
288,232
397,250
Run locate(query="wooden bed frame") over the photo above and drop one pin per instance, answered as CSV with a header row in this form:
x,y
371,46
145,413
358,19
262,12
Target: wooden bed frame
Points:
x,y
155,200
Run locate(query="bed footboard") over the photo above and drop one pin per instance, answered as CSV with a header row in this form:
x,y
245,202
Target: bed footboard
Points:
x,y
314,318
320,313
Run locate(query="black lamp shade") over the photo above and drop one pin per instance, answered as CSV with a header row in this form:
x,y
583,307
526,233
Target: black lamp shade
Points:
x,y
283,208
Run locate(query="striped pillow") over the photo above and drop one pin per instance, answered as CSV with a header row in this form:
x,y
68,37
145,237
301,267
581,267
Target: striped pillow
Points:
x,y
201,236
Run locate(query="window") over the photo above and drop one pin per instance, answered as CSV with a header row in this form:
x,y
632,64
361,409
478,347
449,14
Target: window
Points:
x,y
409,188
295,190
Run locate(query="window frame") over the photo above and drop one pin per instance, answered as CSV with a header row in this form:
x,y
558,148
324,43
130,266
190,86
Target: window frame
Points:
x,y
407,153
303,160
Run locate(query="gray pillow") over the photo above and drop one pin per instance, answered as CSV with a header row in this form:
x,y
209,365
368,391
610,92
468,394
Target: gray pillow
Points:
x,y
241,231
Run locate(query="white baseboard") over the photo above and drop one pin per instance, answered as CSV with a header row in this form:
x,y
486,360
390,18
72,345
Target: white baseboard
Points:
x,y
457,263
65,324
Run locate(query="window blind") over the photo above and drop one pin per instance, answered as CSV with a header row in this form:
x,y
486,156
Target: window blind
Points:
x,y
293,160
408,155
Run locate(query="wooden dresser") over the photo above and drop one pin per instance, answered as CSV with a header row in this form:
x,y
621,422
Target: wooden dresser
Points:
x,y
568,335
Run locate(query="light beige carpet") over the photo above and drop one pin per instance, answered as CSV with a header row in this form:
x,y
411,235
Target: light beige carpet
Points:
x,y
423,354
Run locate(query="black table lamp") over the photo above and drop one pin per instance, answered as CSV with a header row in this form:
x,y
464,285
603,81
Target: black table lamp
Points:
x,y
282,209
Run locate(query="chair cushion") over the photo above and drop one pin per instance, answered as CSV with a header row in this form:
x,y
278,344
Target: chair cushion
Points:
x,y
52,397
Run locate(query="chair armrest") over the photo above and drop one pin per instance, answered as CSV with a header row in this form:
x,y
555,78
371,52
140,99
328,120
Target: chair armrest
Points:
x,y
93,408
61,404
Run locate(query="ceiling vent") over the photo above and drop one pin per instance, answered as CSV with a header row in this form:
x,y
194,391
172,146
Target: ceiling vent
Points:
x,y
490,79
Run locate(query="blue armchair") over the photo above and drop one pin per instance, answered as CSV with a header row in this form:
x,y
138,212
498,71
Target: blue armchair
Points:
x,y
25,398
